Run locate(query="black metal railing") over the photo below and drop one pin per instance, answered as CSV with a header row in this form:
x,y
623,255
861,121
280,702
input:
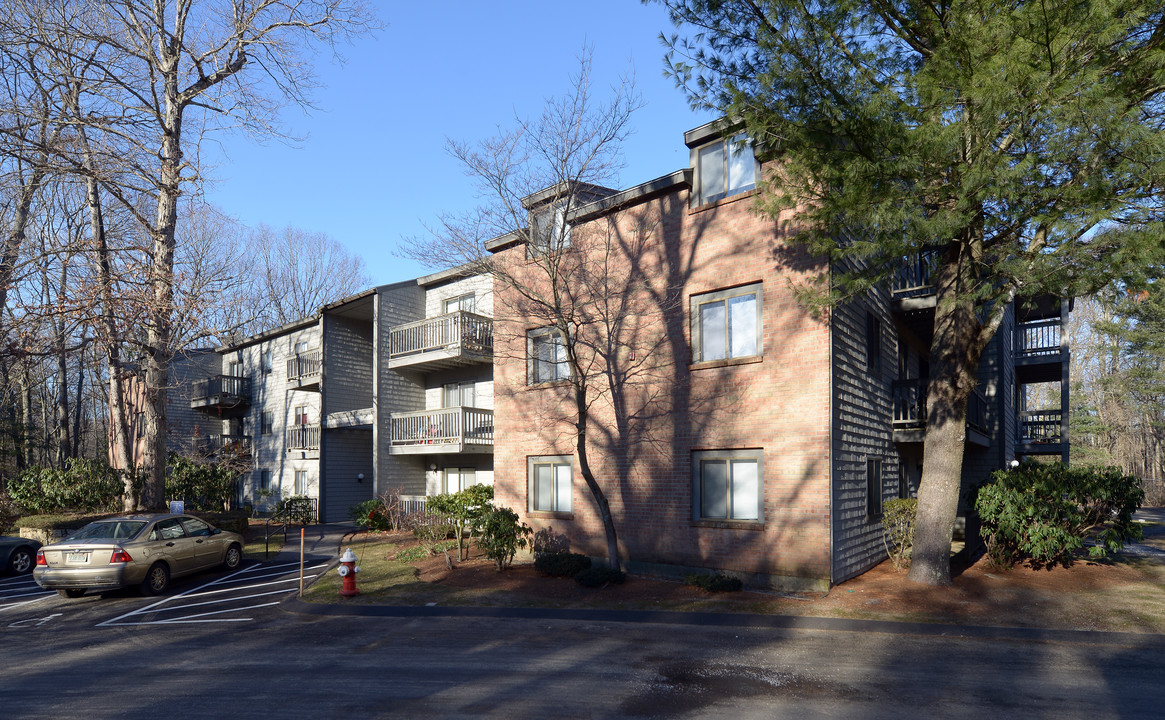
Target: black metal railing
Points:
x,y
1037,338
915,275
298,509
222,387
1040,426
909,398
212,444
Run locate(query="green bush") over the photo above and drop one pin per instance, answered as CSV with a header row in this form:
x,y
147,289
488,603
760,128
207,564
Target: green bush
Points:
x,y
561,564
467,509
201,486
596,577
898,530
502,535
234,521
81,485
370,516
1046,512
716,582
412,554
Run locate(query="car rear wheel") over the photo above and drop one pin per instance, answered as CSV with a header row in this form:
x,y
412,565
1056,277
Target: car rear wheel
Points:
x,y
21,560
157,578
233,557
71,592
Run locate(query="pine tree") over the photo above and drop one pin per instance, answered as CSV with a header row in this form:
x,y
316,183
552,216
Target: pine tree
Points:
x,y
1016,143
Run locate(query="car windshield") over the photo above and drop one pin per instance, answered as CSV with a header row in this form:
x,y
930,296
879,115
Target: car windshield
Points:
x,y
108,530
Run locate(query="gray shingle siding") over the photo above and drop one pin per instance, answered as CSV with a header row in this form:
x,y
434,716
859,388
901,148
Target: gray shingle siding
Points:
x,y
862,429
346,454
347,364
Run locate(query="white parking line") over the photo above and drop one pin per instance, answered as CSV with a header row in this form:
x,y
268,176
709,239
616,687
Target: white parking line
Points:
x,y
247,575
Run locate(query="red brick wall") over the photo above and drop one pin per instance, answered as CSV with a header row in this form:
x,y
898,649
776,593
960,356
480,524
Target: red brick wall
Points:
x,y
630,277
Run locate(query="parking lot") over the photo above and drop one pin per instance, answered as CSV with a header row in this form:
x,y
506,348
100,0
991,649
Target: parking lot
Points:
x,y
246,595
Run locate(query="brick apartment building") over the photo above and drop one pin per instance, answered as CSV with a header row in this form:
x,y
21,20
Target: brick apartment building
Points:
x,y
741,433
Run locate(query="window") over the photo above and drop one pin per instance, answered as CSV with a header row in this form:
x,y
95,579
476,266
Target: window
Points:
x,y
266,421
197,528
726,167
235,369
264,479
301,482
299,415
727,324
874,487
464,303
549,484
141,424
267,361
301,347
457,479
873,343
549,231
727,485
547,353
459,395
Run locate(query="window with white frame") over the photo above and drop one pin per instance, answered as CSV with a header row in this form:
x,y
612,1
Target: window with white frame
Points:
x,y
549,231
549,483
267,361
301,482
459,394
725,167
547,356
874,487
728,485
726,324
266,422
457,479
300,347
299,415
464,303
235,369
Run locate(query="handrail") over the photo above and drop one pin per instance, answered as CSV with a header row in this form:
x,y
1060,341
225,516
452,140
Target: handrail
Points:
x,y
1037,337
292,509
221,385
466,330
456,425
303,365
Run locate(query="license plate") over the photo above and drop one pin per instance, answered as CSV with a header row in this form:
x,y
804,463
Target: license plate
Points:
x,y
79,557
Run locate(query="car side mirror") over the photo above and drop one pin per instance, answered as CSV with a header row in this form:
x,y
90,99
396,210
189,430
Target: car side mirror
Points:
x,y
216,531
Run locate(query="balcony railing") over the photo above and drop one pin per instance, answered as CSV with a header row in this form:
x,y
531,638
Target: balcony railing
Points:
x,y
448,426
910,406
1037,338
213,444
221,388
914,277
1040,426
458,330
304,365
303,437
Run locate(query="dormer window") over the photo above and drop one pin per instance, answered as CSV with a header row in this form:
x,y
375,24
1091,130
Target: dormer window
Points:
x,y
724,168
464,303
549,231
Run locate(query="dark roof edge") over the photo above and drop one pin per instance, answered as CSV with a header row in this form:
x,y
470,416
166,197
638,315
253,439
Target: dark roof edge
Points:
x,y
639,193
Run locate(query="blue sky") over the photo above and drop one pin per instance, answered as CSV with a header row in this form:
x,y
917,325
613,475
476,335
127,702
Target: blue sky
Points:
x,y
373,168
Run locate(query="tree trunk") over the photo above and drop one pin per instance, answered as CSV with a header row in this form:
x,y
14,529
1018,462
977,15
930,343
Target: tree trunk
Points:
x,y
584,466
956,347
160,313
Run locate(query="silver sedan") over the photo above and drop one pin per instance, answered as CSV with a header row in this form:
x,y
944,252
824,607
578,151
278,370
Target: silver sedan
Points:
x,y
143,550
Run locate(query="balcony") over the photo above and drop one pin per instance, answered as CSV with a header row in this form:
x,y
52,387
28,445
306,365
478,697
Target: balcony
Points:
x,y
1041,428
449,430
304,370
459,338
223,394
236,445
1039,351
303,438
910,413
914,277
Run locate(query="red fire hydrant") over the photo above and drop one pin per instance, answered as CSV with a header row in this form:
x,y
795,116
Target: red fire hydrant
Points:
x,y
348,570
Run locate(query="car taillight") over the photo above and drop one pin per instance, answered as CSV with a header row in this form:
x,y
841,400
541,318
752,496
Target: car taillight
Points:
x,y
119,556
40,561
